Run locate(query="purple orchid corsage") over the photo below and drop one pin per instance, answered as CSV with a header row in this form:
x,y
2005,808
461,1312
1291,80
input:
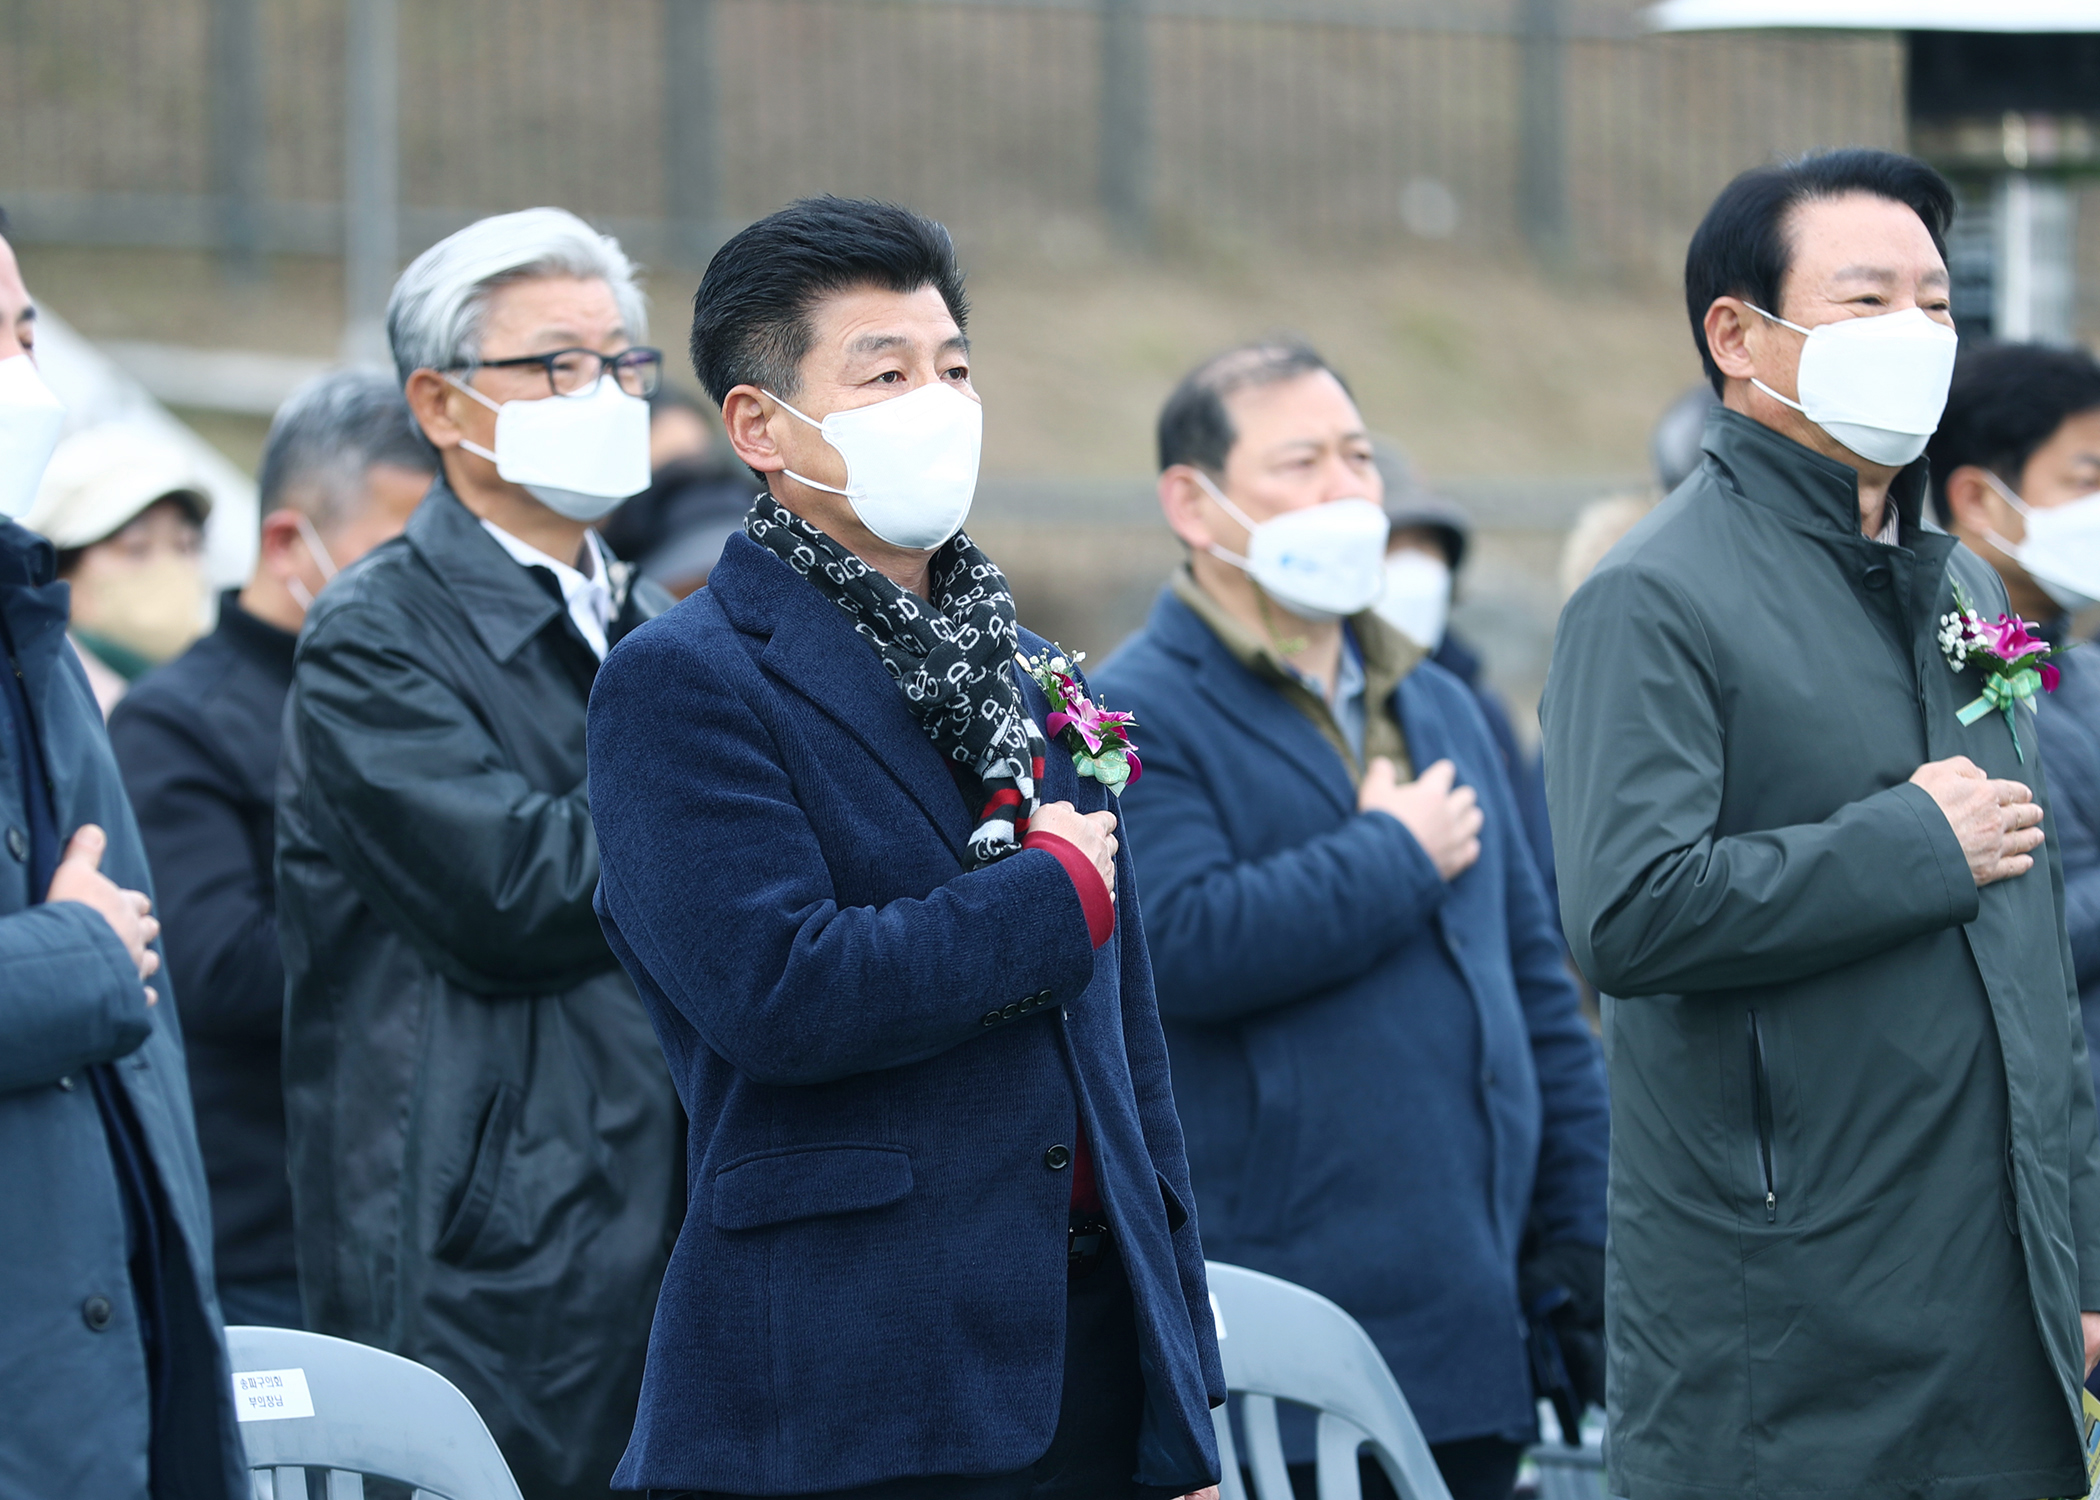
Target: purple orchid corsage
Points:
x,y
1099,740
2014,661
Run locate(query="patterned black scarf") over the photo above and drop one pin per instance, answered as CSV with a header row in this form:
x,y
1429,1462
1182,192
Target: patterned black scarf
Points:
x,y
952,658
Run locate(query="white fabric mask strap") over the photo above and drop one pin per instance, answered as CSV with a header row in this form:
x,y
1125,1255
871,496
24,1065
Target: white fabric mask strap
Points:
x,y
1783,323
1797,406
315,545
495,406
798,478
1222,553
1775,318
2006,549
2006,494
467,390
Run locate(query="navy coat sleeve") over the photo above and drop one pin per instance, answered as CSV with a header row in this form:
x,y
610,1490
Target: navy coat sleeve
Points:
x,y
2071,755
217,912
489,876
1575,1116
1232,936
73,995
743,929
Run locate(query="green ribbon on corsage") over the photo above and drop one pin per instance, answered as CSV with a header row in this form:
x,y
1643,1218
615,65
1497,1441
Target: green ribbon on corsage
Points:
x,y
2004,691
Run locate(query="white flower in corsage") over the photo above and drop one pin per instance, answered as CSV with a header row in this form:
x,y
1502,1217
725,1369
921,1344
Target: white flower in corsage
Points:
x,y
2015,662
1099,741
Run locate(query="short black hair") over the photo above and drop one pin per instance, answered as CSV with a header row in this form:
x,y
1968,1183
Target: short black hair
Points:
x,y
1740,248
1195,428
326,436
751,313
2006,402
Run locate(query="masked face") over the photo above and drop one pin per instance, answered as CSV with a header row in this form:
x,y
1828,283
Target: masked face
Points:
x,y
579,455
1877,384
911,463
30,419
2061,550
139,598
1321,563
1416,600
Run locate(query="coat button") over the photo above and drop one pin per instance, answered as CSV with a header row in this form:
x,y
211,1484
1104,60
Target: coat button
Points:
x,y
1057,1158
96,1313
991,1018
1876,577
18,844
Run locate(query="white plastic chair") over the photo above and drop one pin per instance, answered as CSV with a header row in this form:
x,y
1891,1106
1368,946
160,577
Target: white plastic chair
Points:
x,y
1279,1341
307,1401
1569,1473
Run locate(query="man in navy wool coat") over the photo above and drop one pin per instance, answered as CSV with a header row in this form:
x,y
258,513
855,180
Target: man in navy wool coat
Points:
x,y
937,1240
1390,1094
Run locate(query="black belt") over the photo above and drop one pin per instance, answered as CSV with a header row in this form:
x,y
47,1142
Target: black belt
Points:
x,y
1085,1244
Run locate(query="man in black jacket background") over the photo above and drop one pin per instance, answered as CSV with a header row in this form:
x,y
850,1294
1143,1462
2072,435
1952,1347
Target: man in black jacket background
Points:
x,y
485,1146
197,741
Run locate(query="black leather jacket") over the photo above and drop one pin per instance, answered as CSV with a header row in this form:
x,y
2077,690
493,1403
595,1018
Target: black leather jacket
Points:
x,y
484,1143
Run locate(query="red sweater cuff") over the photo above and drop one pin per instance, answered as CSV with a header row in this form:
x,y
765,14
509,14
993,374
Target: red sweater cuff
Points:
x,y
1086,880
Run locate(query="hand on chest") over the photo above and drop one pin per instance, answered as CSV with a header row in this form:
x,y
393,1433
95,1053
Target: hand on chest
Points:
x,y
1813,721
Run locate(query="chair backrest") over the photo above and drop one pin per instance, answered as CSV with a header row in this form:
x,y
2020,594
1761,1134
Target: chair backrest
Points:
x,y
1279,1341
307,1401
1569,1473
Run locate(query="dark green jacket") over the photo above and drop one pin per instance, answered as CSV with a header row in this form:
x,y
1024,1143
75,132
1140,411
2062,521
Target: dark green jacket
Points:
x,y
1855,1195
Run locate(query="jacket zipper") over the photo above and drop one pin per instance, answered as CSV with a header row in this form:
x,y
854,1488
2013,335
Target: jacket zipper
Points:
x,y
1761,1106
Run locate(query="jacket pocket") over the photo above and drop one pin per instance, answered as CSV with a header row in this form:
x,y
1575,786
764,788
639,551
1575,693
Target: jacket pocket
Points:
x,y
1761,1116
478,1197
1177,1215
809,1182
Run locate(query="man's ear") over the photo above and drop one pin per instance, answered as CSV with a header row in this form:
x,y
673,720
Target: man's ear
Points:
x,y
429,397
279,535
746,418
1727,327
1182,501
1972,505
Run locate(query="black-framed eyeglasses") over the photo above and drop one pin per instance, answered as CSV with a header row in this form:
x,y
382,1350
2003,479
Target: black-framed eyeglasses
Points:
x,y
576,372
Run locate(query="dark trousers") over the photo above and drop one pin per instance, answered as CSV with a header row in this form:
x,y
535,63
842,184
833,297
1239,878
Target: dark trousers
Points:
x,y
1094,1450
1473,1469
264,1304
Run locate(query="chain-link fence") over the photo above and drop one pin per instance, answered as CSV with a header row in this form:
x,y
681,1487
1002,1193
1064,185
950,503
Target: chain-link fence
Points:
x,y
1329,125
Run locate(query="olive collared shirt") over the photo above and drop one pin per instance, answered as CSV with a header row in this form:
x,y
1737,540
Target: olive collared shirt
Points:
x,y
1388,656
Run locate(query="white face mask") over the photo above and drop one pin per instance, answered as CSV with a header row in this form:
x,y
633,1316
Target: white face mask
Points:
x,y
579,456
911,462
2062,550
1321,563
30,419
318,550
1417,597
1877,385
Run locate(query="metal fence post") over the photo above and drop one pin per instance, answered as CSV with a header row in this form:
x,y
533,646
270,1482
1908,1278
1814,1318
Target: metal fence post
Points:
x,y
1542,207
1126,121
237,137
371,176
692,174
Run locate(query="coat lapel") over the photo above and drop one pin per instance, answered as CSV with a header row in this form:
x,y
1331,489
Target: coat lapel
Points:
x,y
37,610
501,601
1252,705
815,650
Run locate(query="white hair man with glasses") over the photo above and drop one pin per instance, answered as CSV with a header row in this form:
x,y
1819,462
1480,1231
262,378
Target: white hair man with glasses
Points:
x,y
484,1143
